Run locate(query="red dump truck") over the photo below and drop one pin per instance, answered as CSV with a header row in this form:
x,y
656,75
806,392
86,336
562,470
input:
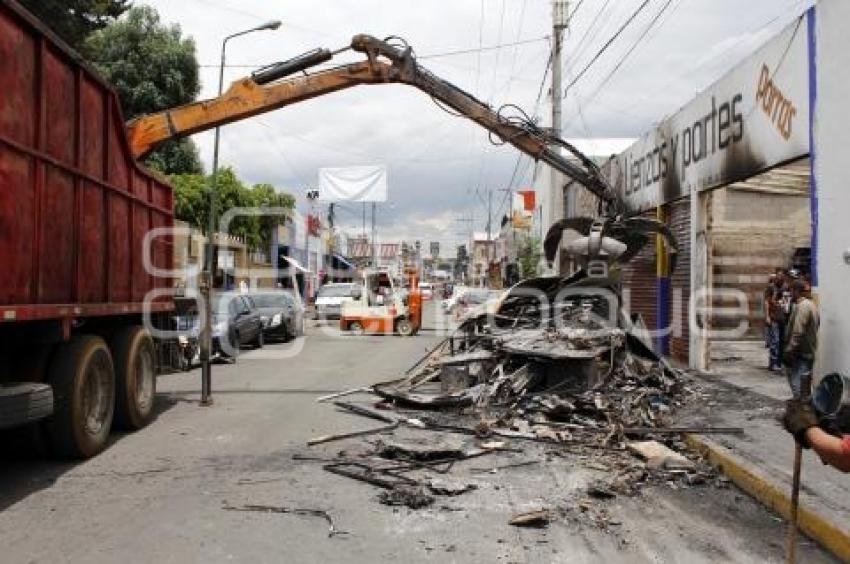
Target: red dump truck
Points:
x,y
75,208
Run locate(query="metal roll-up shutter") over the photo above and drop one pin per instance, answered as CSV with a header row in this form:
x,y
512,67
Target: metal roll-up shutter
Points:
x,y
639,282
680,281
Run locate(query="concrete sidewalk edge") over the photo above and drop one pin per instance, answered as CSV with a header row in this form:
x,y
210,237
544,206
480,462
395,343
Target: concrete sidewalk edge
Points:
x,y
827,532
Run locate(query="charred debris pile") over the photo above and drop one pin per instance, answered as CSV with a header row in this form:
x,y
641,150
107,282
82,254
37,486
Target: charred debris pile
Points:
x,y
571,382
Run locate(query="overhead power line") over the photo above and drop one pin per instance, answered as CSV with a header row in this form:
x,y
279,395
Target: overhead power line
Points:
x,y
587,30
607,44
578,5
632,48
486,48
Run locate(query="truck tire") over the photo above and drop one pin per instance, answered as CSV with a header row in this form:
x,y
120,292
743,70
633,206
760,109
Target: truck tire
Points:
x,y
24,402
83,380
135,377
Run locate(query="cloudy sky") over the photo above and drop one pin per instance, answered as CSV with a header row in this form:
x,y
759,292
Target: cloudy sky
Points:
x,y
440,166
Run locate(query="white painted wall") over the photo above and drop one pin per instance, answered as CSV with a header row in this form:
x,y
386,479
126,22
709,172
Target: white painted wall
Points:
x,y
831,146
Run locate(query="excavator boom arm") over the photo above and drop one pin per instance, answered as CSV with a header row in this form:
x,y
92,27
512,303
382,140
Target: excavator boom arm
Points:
x,y
385,63
244,99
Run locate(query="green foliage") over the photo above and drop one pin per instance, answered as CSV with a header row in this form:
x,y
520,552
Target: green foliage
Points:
x,y
191,199
153,67
192,196
177,156
74,20
528,254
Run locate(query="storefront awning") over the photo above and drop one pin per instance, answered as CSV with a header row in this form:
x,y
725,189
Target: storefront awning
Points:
x,y
343,261
296,265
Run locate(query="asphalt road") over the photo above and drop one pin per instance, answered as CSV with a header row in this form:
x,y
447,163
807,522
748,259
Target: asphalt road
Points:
x,y
160,495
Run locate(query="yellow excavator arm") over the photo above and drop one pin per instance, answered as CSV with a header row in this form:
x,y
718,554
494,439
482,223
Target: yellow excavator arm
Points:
x,y
273,87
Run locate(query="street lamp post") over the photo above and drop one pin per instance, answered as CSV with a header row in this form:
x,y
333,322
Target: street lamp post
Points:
x,y
207,278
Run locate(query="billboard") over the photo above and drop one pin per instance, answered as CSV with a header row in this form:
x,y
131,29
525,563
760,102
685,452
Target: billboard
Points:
x,y
755,117
353,184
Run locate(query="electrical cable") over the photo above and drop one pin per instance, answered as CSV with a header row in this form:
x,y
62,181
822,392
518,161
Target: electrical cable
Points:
x,y
631,49
607,44
580,44
518,32
578,5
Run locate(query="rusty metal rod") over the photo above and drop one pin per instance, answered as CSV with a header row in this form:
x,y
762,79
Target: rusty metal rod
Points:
x,y
329,438
648,430
365,412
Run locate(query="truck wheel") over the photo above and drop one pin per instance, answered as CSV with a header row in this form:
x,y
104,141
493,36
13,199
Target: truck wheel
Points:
x,y
83,381
24,402
404,327
356,328
135,377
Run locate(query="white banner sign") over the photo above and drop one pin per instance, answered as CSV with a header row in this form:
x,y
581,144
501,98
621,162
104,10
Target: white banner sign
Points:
x,y
353,184
755,117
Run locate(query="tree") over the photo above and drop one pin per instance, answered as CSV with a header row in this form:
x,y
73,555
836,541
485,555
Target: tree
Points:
x,y
75,20
191,199
153,67
192,196
529,256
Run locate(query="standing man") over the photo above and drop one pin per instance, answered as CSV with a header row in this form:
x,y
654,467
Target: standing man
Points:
x,y
801,339
777,313
767,297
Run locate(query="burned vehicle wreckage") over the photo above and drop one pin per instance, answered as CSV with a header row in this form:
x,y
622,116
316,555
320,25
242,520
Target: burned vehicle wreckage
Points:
x,y
549,337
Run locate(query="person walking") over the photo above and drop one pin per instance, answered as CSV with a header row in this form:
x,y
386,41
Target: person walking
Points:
x,y
800,342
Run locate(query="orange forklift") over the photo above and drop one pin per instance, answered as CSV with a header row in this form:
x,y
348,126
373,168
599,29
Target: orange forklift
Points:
x,y
379,308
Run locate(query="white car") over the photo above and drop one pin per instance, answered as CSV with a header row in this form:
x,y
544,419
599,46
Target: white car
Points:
x,y
330,298
427,290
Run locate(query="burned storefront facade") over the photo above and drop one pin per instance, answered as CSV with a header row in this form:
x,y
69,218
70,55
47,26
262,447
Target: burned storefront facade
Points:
x,y
729,174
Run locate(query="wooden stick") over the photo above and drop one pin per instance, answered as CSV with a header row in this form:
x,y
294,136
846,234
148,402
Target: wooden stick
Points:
x,y
328,397
791,545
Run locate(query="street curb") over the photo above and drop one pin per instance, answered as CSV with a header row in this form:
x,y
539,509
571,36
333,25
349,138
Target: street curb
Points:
x,y
830,534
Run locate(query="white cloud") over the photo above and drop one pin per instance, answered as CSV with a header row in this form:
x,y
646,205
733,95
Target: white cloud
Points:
x,y
436,161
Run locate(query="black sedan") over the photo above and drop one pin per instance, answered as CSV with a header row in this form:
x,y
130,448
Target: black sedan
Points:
x,y
236,323
281,313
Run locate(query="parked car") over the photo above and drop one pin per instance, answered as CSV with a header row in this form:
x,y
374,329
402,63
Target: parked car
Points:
x,y
236,321
427,290
282,315
330,297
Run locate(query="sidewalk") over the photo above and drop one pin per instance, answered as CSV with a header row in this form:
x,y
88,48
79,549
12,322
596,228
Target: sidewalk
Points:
x,y
739,391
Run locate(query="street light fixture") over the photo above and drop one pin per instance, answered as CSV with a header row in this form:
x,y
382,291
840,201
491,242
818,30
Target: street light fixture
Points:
x,y
207,280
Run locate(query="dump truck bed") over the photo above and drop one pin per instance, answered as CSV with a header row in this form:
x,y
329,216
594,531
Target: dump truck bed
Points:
x,y
75,207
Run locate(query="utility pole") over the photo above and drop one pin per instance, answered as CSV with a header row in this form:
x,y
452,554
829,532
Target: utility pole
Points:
x,y
557,197
374,236
207,278
490,245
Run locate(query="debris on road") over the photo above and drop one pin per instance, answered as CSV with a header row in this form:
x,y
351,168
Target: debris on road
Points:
x,y
565,381
413,497
539,518
660,456
340,436
332,530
